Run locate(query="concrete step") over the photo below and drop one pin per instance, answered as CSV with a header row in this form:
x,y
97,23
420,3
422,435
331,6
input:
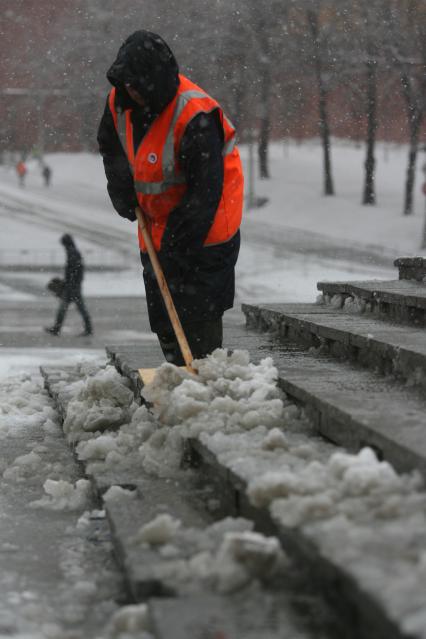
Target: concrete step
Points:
x,y
146,573
244,616
399,300
411,268
383,347
350,406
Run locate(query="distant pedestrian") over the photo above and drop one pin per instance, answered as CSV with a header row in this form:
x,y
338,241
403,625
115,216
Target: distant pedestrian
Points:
x,y
21,171
73,278
47,174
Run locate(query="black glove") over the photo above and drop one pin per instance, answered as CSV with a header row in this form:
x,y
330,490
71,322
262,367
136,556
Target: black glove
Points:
x,y
123,202
129,215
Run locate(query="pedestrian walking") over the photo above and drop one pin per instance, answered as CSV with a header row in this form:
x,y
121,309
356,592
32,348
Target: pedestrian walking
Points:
x,y
72,293
47,174
21,171
168,147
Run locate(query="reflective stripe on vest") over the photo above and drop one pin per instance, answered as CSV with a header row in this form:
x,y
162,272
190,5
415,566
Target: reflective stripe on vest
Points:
x,y
171,177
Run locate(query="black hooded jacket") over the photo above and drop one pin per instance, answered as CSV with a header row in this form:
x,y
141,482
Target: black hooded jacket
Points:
x,y
74,269
201,278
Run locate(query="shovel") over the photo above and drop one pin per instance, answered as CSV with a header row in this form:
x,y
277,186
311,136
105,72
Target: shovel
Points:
x,y
147,374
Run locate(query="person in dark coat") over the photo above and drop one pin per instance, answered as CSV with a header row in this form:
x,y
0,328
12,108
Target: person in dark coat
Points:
x,y
47,174
73,278
201,278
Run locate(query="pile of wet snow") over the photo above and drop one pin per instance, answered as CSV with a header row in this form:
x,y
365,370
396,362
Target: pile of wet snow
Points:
x,y
130,622
23,407
352,304
80,583
236,410
328,495
224,557
356,509
27,415
102,401
64,495
112,431
368,519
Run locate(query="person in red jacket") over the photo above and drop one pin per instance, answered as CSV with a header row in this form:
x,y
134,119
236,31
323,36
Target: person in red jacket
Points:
x,y
21,171
168,147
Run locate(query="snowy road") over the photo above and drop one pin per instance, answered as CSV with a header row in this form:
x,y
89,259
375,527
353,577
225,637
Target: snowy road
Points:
x,y
50,216
314,245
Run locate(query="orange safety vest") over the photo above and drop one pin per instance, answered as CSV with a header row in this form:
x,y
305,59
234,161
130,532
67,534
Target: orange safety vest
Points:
x,y
158,179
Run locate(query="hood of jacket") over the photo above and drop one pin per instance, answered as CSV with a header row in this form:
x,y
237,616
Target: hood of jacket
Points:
x,y
67,240
145,62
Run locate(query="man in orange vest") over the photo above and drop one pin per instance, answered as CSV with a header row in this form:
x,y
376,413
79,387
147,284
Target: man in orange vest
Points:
x,y
168,147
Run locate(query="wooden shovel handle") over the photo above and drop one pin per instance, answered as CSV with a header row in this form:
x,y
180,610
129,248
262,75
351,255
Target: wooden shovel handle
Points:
x,y
165,292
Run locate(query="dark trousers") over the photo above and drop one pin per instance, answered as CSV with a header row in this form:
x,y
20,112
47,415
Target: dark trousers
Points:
x,y
63,308
203,338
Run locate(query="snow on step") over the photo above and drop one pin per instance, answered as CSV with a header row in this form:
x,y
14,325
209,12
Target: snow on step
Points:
x,y
253,615
389,348
402,300
351,406
146,519
235,409
309,486
398,291
164,544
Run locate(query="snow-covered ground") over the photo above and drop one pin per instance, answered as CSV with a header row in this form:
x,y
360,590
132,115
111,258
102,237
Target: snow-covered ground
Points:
x,y
77,197
295,196
15,360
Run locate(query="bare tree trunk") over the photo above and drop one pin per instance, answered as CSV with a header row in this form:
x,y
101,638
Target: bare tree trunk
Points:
x,y
322,106
370,162
411,167
265,87
325,138
265,126
415,117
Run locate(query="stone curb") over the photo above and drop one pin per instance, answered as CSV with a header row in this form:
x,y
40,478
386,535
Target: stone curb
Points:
x,y
384,348
399,300
411,268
